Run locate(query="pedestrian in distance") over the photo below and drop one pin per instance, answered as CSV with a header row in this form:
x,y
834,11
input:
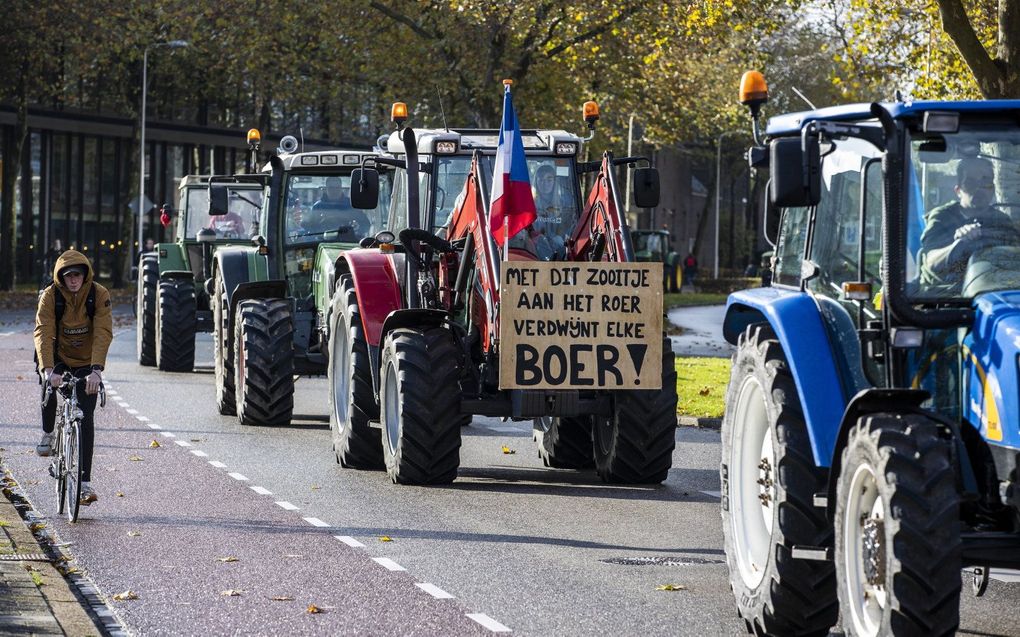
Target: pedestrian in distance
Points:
x,y
73,332
690,269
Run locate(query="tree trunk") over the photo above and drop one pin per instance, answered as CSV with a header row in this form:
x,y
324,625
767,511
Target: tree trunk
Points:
x,y
12,165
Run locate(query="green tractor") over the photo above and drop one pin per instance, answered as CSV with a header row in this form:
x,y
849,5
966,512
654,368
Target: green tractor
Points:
x,y
271,299
170,306
657,245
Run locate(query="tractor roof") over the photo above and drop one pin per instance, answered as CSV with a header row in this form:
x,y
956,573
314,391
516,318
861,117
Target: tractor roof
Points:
x,y
469,139
791,123
323,158
202,181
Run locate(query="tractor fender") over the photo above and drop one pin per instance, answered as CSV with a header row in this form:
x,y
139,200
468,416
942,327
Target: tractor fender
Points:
x,y
241,265
396,320
377,283
795,318
176,274
276,289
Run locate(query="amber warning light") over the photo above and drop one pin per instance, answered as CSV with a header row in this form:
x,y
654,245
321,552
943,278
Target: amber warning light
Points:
x,y
254,136
753,91
398,113
590,112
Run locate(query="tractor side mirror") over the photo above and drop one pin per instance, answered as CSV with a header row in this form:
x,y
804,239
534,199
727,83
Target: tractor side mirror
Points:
x,y
646,187
365,188
217,200
796,172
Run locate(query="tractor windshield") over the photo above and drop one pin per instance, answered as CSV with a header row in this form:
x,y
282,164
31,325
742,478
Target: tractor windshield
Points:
x,y
962,208
647,244
318,208
240,222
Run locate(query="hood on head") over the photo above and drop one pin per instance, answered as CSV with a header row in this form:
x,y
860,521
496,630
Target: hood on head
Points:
x,y
69,258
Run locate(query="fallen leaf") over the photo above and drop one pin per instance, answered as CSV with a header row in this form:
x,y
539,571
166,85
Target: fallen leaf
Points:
x,y
38,526
671,587
315,487
313,609
508,450
119,494
706,391
231,592
134,533
229,558
135,458
282,598
126,595
20,377
385,538
197,439
154,444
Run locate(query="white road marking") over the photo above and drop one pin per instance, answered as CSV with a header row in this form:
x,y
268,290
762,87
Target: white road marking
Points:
x,y
349,541
183,443
153,425
217,464
505,430
316,522
199,453
6,333
286,505
488,622
434,590
133,412
110,392
713,494
238,476
167,434
142,418
261,490
1005,575
388,564
119,399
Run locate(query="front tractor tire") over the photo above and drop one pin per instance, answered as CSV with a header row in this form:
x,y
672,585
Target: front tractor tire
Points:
x,y
769,479
635,444
351,395
223,350
898,551
145,303
264,362
420,406
175,326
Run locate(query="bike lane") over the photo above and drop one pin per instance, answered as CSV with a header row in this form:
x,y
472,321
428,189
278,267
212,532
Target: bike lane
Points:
x,y
203,548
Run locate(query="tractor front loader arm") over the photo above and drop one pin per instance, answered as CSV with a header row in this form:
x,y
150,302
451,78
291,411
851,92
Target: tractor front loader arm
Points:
x,y
602,233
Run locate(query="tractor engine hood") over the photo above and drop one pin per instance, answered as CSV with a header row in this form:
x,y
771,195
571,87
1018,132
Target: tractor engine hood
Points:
x,y
991,368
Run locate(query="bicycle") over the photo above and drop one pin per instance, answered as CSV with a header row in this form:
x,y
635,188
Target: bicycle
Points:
x,y
65,467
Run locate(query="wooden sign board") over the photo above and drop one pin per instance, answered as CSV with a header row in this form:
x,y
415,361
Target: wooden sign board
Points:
x,y
568,325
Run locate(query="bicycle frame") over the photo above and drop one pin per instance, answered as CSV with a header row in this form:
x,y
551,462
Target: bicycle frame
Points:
x,y
66,464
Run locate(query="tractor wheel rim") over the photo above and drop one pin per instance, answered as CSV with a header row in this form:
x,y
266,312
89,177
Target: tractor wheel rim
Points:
x,y
392,406
864,551
341,376
752,490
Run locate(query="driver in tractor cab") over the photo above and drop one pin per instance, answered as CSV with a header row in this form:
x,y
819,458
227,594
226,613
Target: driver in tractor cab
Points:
x,y
333,212
549,207
956,230
230,225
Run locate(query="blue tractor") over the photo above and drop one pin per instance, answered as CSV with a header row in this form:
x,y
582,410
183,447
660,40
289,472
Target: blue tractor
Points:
x,y
872,427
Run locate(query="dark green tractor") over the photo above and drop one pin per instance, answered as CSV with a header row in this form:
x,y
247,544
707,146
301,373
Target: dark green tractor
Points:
x,y
172,302
657,245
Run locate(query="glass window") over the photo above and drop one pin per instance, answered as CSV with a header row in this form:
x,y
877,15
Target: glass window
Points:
x,y
790,248
241,220
318,208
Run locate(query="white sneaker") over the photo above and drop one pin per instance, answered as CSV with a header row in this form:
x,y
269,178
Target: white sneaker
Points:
x,y
45,446
88,496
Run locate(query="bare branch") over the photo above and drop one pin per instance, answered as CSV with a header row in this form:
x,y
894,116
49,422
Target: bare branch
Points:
x,y
957,25
403,19
592,33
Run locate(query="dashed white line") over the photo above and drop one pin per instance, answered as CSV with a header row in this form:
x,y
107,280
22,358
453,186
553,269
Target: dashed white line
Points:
x,y
1005,575
488,622
183,443
167,434
316,522
505,430
152,425
286,505
142,418
110,392
199,453
261,490
238,476
217,464
133,412
119,399
6,333
434,590
388,564
349,541
713,494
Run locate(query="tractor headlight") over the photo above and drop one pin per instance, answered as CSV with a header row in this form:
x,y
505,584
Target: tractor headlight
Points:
x,y
446,148
566,148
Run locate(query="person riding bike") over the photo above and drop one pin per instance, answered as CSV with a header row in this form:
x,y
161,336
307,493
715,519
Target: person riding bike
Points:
x,y
73,332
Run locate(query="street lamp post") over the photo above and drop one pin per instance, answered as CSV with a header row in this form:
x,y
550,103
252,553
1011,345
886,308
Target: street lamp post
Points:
x,y
173,44
718,194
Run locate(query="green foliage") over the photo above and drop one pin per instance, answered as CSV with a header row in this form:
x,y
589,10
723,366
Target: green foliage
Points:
x,y
701,386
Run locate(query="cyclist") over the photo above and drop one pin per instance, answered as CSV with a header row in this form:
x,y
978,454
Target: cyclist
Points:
x,y
73,333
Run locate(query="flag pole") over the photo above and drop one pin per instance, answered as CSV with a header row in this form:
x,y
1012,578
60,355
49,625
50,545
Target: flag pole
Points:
x,y
506,238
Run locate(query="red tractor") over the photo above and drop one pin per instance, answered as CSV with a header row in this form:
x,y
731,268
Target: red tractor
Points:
x,y
415,349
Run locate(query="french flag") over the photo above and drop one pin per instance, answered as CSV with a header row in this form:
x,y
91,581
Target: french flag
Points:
x,y
511,205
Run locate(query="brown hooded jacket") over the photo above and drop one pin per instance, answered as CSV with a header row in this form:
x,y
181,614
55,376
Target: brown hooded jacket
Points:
x,y
81,342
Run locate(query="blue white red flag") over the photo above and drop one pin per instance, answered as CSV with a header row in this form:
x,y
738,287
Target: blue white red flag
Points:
x,y
512,206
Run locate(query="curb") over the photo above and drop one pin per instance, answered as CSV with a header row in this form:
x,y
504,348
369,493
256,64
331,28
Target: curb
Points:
x,y
700,423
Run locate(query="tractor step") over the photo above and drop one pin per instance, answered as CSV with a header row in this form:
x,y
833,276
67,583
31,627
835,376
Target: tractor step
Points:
x,y
375,424
821,500
815,553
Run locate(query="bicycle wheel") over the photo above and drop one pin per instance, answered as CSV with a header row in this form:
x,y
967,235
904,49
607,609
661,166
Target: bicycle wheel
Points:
x,y
72,466
59,473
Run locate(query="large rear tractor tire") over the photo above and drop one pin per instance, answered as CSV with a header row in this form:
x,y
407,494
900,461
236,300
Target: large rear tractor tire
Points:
x,y
769,479
351,395
897,529
264,362
175,326
635,444
564,443
223,350
145,301
420,406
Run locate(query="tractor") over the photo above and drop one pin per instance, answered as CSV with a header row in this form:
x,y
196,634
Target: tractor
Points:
x,y
871,434
657,246
271,298
170,307
416,341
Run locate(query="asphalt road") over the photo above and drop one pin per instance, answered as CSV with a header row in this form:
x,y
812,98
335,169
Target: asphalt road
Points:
x,y
511,544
